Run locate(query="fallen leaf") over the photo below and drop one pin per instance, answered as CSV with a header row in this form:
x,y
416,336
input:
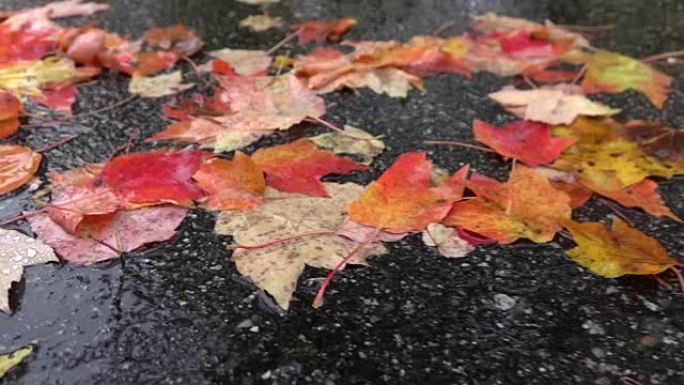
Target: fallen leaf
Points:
x,y
18,164
16,251
104,237
393,82
230,140
60,98
10,108
642,195
402,199
550,106
322,30
9,361
166,177
261,23
360,233
158,86
71,8
447,241
30,78
231,185
526,206
613,73
617,251
491,23
245,62
530,142
298,166
276,268
362,143
176,38
656,139
196,105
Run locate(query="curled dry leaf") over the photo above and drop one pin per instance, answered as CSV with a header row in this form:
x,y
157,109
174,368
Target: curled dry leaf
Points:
x,y
526,206
357,142
18,164
617,251
9,361
165,177
176,38
551,106
530,142
16,251
298,166
402,199
231,185
261,23
245,62
322,30
103,237
447,241
158,86
276,268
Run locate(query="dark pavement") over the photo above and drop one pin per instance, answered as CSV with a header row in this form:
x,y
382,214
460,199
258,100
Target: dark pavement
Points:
x,y
181,314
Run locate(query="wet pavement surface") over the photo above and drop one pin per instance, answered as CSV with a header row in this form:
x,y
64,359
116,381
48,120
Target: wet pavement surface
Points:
x,y
180,313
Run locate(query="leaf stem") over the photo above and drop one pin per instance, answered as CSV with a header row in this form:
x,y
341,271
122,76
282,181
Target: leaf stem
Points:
x,y
280,240
663,56
286,40
318,301
341,131
460,144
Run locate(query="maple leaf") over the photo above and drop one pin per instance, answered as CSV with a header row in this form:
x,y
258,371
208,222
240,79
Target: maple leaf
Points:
x,y
551,106
608,158
30,78
321,30
567,182
176,38
245,62
165,177
355,142
59,98
17,166
9,361
10,108
526,206
196,105
402,200
75,196
276,267
261,23
298,166
656,139
491,23
16,251
158,86
24,43
617,251
530,142
231,185
642,195
612,72
447,241
103,237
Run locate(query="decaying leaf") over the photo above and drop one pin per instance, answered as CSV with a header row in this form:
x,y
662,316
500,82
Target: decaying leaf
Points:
x,y
16,251
103,237
10,108
617,251
321,30
530,142
526,206
9,361
358,142
298,166
231,185
275,268
165,177
245,62
447,241
18,164
158,86
551,106
613,72
260,23
402,199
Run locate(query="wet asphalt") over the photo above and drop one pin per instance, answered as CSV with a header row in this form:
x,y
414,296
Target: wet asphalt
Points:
x,y
179,313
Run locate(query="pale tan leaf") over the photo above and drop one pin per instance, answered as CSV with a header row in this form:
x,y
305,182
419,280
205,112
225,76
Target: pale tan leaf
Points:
x,y
16,251
244,61
353,143
231,140
158,86
276,268
447,241
260,23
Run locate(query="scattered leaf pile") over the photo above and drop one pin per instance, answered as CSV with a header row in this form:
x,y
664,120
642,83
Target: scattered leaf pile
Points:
x,y
565,148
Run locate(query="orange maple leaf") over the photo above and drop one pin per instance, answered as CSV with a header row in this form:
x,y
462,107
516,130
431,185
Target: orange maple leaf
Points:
x,y
232,185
